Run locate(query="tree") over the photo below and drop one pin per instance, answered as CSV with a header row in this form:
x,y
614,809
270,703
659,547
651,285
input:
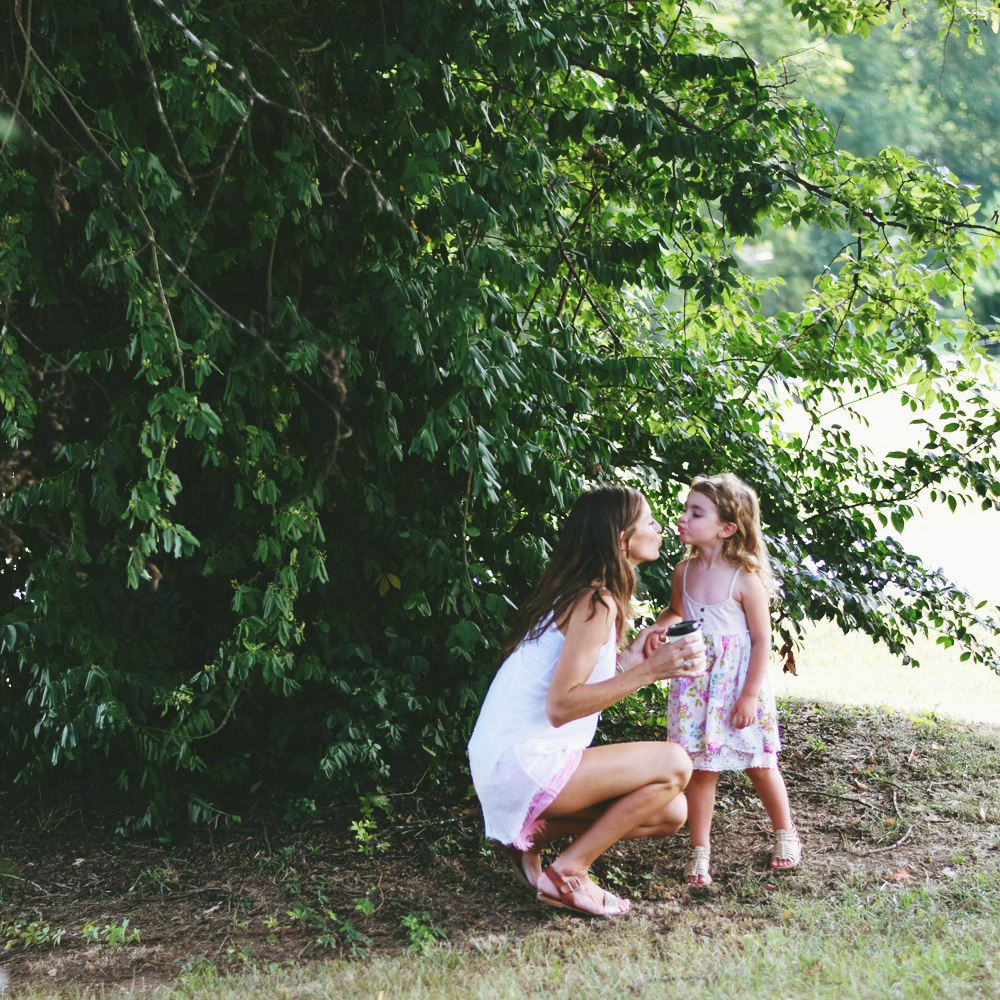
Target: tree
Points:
x,y
920,86
316,317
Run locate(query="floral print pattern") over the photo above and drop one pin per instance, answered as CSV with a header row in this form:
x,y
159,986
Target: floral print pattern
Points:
x,y
699,710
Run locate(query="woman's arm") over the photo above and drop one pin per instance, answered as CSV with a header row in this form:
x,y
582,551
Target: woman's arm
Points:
x,y
753,597
571,697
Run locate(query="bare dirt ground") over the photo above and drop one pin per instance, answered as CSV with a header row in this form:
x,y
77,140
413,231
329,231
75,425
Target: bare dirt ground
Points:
x,y
876,797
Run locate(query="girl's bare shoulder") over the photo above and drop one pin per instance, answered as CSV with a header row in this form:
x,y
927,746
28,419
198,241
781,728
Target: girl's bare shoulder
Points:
x,y
748,585
679,568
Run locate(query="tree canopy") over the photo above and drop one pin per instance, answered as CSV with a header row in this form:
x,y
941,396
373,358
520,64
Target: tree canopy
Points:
x,y
316,317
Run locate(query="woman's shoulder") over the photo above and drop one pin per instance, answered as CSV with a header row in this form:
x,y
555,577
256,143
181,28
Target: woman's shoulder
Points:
x,y
595,605
600,598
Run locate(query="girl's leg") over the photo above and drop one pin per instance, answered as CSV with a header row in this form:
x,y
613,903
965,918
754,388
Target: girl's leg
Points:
x,y
634,786
769,783
701,805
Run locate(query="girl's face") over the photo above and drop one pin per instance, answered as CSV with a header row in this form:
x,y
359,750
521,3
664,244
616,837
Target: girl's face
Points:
x,y
700,523
646,538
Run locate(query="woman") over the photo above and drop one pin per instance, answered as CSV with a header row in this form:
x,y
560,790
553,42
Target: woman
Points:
x,y
536,775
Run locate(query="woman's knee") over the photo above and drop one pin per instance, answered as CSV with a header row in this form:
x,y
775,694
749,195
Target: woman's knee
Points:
x,y
674,814
678,763
667,764
668,818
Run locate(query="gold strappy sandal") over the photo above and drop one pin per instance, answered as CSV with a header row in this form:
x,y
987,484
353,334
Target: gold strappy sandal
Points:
x,y
787,847
697,866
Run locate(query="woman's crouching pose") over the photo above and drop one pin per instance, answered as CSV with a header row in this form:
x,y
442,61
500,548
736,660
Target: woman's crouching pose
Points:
x,y
536,774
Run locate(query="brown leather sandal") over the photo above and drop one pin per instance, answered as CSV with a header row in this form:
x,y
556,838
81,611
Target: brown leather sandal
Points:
x,y
613,905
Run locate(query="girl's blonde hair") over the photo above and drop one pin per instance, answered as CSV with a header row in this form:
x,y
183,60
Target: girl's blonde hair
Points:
x,y
737,504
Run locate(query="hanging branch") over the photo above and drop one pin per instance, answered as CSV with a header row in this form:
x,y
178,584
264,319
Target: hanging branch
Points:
x,y
192,187
383,203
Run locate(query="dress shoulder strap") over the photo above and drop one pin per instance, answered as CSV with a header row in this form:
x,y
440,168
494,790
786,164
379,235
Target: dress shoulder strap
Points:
x,y
732,583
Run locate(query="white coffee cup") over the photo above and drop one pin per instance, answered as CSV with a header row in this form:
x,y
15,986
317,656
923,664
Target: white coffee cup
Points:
x,y
680,630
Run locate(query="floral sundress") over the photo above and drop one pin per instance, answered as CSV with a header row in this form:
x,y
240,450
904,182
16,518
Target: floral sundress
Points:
x,y
699,708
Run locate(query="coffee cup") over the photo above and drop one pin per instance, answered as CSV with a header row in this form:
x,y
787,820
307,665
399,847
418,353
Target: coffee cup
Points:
x,y
680,629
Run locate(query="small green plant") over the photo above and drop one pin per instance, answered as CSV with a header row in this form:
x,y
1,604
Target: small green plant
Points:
x,y
242,954
279,860
446,846
299,811
423,934
365,906
333,931
113,935
166,878
614,876
365,830
117,935
36,934
199,969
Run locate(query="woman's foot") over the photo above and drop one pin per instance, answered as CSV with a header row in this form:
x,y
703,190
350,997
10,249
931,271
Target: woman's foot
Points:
x,y
787,852
576,891
527,865
696,869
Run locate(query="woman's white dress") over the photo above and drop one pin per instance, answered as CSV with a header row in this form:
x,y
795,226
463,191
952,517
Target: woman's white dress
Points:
x,y
515,752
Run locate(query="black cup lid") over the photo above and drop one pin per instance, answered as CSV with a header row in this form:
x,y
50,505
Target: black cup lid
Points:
x,y
683,628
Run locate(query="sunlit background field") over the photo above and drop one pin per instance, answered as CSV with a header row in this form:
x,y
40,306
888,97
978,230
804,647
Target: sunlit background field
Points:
x,y
965,545
853,670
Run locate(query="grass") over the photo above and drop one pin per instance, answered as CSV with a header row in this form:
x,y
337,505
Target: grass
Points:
x,y
866,937
873,940
853,670
855,935
863,934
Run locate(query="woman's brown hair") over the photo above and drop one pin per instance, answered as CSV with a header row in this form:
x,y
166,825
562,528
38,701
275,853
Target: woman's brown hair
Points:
x,y
588,558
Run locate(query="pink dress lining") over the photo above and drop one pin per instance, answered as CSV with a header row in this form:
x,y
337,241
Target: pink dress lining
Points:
x,y
543,798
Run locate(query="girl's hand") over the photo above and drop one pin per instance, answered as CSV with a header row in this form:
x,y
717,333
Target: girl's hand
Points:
x,y
744,711
684,658
641,647
652,638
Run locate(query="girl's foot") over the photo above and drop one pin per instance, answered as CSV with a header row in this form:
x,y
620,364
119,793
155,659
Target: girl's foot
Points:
x,y
696,869
578,893
787,852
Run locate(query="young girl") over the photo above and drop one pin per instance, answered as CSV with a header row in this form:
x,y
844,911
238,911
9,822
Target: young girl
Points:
x,y
536,774
727,719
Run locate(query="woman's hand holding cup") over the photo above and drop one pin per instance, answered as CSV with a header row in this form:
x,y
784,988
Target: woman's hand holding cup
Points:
x,y
682,655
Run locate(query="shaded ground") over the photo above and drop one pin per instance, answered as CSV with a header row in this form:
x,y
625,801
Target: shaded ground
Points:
x,y
876,797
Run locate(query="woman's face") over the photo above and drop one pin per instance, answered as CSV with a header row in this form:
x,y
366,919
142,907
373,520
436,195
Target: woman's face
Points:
x,y
647,536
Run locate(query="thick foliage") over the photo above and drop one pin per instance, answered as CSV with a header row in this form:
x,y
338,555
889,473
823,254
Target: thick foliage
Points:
x,y
317,316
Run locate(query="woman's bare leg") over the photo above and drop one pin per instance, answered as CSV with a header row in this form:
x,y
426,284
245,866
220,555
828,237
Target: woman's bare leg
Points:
x,y
671,818
635,783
